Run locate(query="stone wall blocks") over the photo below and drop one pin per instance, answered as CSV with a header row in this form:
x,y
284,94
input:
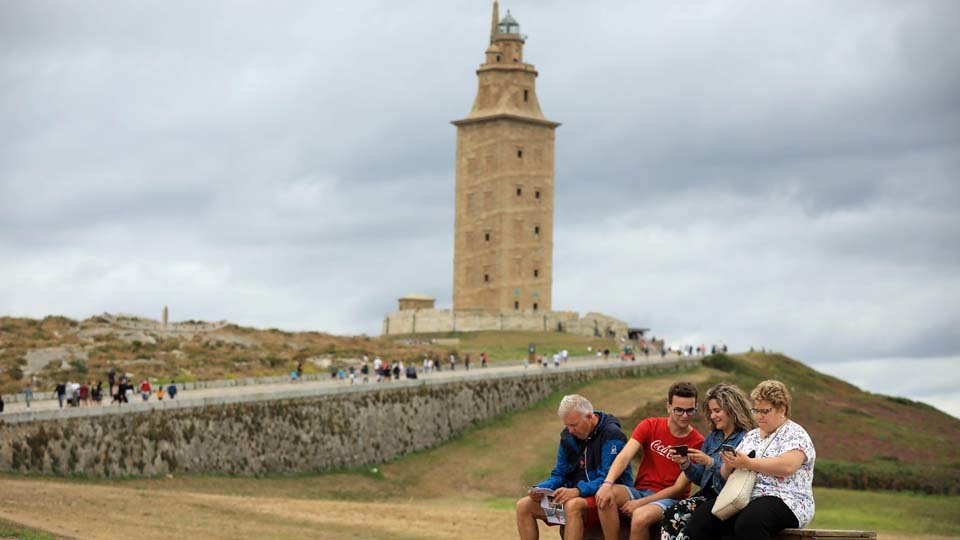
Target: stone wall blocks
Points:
x,y
290,434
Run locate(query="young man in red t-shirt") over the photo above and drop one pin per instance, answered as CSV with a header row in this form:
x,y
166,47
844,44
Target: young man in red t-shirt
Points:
x,y
659,483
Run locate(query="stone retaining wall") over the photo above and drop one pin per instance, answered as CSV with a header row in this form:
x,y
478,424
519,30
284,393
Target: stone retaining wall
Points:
x,y
292,431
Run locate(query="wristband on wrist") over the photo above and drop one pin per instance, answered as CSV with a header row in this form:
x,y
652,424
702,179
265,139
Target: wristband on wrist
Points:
x,y
608,482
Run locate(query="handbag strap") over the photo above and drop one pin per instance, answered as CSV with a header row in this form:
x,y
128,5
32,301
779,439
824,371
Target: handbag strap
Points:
x,y
770,440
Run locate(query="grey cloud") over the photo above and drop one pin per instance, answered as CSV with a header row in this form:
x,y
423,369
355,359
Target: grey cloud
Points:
x,y
780,176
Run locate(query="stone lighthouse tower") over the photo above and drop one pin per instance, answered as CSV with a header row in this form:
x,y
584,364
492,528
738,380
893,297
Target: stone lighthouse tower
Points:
x,y
503,242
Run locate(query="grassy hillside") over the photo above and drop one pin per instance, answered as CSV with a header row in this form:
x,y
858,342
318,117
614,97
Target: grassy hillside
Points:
x,y
501,346
56,349
464,488
863,440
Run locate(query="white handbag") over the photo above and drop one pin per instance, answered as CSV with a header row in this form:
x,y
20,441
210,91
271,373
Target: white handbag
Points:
x,y
735,495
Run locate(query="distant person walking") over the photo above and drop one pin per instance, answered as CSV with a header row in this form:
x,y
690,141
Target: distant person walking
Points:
x,y
453,362
84,395
73,392
172,390
61,391
28,394
1,403
466,362
145,390
111,378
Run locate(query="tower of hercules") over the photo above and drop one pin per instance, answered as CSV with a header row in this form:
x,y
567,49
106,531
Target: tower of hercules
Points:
x,y
503,239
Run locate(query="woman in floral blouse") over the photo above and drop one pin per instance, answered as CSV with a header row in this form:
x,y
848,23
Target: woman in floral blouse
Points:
x,y
782,454
729,412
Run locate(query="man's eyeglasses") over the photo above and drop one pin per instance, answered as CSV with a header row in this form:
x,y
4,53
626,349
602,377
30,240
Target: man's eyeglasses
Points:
x,y
759,411
680,412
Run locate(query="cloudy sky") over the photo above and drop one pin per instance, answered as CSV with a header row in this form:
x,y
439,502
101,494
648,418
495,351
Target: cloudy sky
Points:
x,y
781,175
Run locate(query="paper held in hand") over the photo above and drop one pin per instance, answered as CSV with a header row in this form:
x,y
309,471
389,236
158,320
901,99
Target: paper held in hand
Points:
x,y
553,511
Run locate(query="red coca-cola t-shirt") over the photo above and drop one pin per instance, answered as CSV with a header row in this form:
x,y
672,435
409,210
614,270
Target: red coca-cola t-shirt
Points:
x,y
656,470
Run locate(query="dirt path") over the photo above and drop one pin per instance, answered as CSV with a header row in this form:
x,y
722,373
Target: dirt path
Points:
x,y
103,512
95,512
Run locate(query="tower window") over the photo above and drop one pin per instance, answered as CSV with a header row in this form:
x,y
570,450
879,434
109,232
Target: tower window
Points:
x,y
536,229
520,153
519,191
486,236
526,95
536,272
536,194
498,58
535,306
486,278
516,305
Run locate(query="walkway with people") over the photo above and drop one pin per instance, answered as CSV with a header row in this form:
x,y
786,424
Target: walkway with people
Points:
x,y
50,409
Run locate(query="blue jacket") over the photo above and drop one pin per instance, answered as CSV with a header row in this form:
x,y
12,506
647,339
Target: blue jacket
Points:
x,y
709,479
597,452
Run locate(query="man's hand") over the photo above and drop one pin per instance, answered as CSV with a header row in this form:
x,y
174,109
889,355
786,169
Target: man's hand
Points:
x,y
562,495
699,457
535,495
628,507
604,495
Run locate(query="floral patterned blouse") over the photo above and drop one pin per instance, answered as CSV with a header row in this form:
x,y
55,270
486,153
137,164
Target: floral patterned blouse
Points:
x,y
796,490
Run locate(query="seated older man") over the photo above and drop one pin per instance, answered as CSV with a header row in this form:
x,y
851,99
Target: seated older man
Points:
x,y
589,443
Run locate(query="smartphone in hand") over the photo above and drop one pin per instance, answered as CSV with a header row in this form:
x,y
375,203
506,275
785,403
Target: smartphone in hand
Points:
x,y
729,449
680,450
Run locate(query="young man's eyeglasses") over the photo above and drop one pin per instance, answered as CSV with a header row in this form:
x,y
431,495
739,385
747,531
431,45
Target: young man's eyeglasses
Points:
x,y
688,412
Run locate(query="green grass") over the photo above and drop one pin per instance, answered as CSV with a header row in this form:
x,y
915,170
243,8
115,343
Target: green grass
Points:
x,y
14,530
512,346
887,512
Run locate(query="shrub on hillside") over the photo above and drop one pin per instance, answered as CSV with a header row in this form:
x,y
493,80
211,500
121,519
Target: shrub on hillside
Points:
x,y
888,475
15,373
721,362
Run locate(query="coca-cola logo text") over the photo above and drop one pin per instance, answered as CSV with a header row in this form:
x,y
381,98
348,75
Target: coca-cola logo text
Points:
x,y
660,448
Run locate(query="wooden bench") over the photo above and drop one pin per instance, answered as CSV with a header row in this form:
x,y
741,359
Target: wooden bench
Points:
x,y
787,534
814,534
